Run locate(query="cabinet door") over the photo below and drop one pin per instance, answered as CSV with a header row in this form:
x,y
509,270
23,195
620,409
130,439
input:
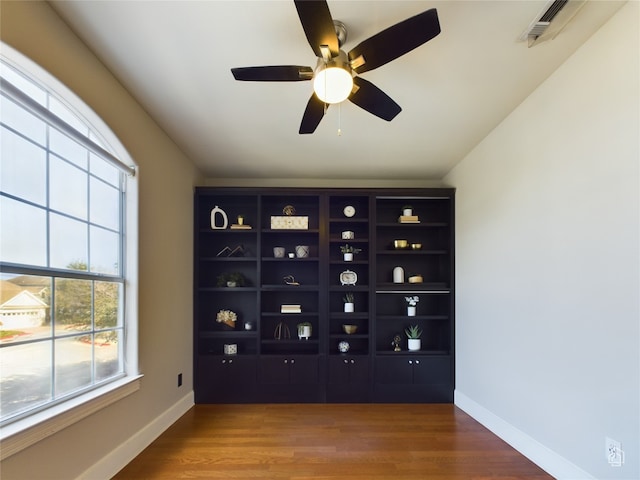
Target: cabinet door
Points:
x,y
339,370
225,378
303,370
359,370
274,369
432,370
394,370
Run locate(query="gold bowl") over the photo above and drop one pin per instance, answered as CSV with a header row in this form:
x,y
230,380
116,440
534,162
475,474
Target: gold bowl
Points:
x,y
400,244
416,246
349,329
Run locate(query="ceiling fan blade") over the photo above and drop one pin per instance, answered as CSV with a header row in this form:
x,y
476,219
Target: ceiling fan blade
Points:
x,y
276,73
395,41
318,25
312,115
373,100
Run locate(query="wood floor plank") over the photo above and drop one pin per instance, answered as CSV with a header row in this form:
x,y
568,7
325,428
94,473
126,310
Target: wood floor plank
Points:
x,y
329,442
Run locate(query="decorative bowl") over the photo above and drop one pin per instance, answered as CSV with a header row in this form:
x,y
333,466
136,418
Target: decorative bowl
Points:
x,y
349,329
400,243
415,279
416,246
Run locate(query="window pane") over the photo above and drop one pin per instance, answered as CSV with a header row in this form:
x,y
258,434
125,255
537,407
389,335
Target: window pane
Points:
x,y
68,243
22,121
25,311
104,170
73,363
105,251
68,189
22,83
108,354
72,306
25,377
67,148
104,204
23,233
23,168
107,311
65,114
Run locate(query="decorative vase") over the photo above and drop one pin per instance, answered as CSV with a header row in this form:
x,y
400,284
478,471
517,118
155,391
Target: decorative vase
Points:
x,y
407,212
349,307
348,257
398,275
215,213
302,251
414,344
411,311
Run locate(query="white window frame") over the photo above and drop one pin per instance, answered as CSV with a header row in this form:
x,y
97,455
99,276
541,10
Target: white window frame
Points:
x,y
29,430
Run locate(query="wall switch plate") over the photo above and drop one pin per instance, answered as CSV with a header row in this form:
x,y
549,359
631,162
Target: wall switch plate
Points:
x,y
613,450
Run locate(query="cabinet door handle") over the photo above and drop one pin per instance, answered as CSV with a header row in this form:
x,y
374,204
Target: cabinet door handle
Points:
x,y
230,362
410,362
353,361
293,361
346,361
417,362
224,361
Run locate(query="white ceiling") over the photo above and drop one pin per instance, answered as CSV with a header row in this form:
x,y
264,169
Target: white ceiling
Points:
x,y
175,59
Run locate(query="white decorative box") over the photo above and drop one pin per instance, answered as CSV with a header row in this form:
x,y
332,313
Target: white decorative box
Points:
x,y
289,222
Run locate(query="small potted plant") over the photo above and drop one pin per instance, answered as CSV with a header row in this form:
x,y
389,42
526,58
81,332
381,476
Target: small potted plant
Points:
x,y
304,330
231,279
411,305
349,305
413,334
348,251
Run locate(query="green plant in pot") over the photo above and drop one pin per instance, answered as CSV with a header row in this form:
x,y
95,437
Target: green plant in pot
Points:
x,y
348,300
231,279
348,251
413,332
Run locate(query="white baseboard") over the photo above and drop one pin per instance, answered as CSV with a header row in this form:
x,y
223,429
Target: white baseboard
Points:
x,y
549,461
117,459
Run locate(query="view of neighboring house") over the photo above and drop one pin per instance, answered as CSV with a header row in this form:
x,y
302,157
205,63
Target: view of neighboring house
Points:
x,y
22,303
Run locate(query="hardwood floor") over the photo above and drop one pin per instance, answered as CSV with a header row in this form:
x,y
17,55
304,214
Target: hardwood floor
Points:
x,y
329,442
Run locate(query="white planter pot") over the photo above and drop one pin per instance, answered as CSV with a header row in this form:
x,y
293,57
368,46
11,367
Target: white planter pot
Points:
x,y
348,257
411,311
349,307
414,344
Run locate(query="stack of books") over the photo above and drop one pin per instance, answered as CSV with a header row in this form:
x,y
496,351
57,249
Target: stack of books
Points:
x,y
290,309
408,219
237,226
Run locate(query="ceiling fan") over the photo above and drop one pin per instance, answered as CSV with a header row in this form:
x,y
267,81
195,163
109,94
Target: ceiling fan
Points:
x,y
334,77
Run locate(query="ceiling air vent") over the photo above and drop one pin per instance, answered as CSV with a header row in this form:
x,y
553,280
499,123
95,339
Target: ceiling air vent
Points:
x,y
554,17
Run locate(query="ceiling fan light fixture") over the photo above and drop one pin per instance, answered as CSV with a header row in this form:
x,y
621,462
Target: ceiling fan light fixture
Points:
x,y
332,84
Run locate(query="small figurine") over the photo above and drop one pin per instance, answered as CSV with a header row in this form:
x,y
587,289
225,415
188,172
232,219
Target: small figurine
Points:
x,y
396,343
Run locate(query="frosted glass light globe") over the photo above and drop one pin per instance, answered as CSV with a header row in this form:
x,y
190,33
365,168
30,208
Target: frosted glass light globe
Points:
x,y
333,84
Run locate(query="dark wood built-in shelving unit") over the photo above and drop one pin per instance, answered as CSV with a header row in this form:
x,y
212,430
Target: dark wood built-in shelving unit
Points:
x,y
285,368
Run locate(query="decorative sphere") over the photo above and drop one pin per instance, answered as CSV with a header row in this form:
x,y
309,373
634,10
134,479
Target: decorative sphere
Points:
x,y
343,347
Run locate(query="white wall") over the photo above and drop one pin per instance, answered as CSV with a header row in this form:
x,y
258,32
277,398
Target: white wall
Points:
x,y
102,443
547,258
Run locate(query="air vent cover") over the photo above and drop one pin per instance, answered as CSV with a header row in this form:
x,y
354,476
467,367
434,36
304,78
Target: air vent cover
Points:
x,y
554,17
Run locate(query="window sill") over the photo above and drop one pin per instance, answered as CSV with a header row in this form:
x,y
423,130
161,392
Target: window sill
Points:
x,y
23,433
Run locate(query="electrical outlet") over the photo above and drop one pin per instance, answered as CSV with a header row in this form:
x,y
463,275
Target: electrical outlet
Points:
x,y
613,450
179,379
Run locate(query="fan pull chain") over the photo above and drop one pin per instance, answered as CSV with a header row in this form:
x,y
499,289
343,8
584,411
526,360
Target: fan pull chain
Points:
x,y
340,119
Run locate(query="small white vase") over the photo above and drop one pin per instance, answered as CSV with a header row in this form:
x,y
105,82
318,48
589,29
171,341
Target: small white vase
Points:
x,y
411,311
348,257
407,212
414,344
349,307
